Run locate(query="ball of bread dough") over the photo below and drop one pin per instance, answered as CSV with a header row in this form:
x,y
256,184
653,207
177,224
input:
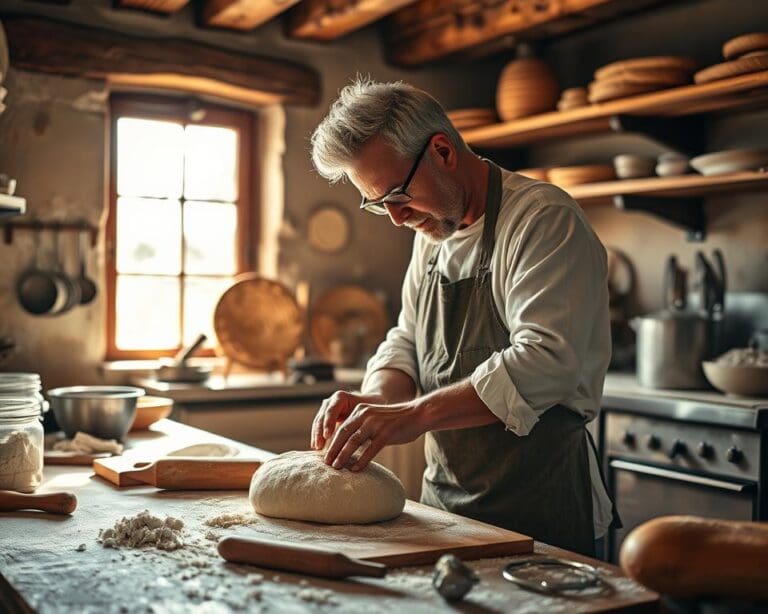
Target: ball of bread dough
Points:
x,y
300,486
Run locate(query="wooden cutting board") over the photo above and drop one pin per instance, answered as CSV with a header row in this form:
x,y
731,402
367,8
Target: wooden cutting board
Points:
x,y
419,536
180,473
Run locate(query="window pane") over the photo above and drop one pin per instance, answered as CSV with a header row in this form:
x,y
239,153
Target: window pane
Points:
x,y
211,163
210,232
200,297
148,236
147,313
150,158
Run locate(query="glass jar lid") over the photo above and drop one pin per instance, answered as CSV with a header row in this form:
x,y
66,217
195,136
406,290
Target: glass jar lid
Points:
x,y
19,407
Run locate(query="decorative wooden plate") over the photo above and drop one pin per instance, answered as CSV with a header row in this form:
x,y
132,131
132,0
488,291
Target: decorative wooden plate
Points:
x,y
742,66
328,229
746,43
258,322
652,62
347,323
660,76
565,176
602,92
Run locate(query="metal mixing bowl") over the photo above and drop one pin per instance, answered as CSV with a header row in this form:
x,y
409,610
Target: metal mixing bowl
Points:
x,y
103,411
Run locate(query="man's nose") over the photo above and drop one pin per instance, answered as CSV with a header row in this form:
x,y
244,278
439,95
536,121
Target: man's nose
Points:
x,y
398,213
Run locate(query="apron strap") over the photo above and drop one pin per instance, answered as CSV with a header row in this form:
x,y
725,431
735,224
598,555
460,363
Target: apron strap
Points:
x,y
492,206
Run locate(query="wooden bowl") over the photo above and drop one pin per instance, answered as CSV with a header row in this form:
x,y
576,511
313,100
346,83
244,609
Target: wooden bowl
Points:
x,y
149,410
527,86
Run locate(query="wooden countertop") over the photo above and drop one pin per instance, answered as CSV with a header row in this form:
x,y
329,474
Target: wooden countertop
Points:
x,y
55,563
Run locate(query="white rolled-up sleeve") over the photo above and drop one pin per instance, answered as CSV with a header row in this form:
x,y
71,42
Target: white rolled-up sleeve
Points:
x,y
553,268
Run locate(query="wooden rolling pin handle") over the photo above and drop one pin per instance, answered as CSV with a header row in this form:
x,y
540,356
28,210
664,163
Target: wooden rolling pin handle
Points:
x,y
53,503
300,559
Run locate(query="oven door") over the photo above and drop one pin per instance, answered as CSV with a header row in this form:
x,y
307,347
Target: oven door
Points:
x,y
644,492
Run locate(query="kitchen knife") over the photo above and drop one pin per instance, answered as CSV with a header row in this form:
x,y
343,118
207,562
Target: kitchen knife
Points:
x,y
53,503
180,473
298,559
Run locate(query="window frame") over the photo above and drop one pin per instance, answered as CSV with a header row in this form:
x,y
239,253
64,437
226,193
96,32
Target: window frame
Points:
x,y
182,110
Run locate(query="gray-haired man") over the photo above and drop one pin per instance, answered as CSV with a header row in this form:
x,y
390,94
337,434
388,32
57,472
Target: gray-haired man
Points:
x,y
503,341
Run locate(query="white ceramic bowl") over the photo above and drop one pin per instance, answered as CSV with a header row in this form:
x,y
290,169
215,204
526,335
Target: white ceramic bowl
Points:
x,y
739,380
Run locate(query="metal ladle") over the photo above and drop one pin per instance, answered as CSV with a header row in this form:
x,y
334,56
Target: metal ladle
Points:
x,y
87,285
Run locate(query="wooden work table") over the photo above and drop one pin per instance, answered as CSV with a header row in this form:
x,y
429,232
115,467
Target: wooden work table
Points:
x,y
56,564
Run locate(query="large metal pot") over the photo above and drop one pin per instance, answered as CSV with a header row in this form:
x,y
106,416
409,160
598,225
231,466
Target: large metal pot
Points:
x,y
670,349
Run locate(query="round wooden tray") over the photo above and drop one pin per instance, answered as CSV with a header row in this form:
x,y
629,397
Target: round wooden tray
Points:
x,y
742,66
660,76
347,323
651,62
258,322
746,43
565,176
602,92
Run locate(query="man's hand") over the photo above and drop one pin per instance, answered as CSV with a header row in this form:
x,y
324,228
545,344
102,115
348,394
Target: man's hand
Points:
x,y
370,427
335,409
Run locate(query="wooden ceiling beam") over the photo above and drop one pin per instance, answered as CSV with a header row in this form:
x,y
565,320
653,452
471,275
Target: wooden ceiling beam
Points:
x,y
54,47
156,6
434,29
325,20
242,14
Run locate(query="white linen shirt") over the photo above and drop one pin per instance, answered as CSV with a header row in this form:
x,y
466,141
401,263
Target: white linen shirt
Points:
x,y
549,285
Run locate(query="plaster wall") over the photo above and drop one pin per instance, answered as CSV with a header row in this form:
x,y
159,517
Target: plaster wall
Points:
x,y
53,138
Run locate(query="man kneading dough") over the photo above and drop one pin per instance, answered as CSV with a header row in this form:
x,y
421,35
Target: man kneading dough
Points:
x,y
300,486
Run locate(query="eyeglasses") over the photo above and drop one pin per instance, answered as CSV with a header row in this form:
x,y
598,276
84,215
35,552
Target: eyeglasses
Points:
x,y
398,196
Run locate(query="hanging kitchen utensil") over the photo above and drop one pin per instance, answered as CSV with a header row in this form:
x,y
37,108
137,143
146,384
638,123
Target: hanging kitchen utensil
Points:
x,y
554,576
72,287
675,286
258,322
38,291
176,369
87,286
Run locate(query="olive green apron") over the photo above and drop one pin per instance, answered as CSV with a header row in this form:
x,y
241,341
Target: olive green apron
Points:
x,y
539,484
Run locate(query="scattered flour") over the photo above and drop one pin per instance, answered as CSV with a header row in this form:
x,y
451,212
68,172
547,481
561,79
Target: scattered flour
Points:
x,y
21,462
230,520
319,596
144,530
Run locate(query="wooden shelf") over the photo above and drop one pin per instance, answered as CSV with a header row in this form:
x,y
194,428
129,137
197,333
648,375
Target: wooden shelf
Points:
x,y
726,94
684,186
11,206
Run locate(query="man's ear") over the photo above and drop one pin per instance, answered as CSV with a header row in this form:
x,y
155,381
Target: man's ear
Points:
x,y
445,150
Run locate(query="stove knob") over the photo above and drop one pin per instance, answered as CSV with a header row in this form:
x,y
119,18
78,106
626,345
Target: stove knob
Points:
x,y
734,455
705,450
678,449
628,439
653,442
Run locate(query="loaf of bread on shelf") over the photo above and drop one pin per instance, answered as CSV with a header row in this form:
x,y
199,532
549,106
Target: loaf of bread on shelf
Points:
x,y
690,556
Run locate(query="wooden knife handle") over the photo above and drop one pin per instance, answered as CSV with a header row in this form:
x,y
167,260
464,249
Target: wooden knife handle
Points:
x,y
300,559
203,474
53,503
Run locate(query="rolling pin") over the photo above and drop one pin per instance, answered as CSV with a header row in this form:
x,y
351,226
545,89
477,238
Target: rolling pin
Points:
x,y
299,559
179,473
53,503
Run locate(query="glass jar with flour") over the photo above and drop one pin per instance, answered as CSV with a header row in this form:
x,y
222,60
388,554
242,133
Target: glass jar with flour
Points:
x,y
21,444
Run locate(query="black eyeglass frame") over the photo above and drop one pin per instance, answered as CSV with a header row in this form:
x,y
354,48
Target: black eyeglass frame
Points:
x,y
377,206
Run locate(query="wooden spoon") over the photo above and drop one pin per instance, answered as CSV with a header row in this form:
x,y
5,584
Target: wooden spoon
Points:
x,y
53,503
